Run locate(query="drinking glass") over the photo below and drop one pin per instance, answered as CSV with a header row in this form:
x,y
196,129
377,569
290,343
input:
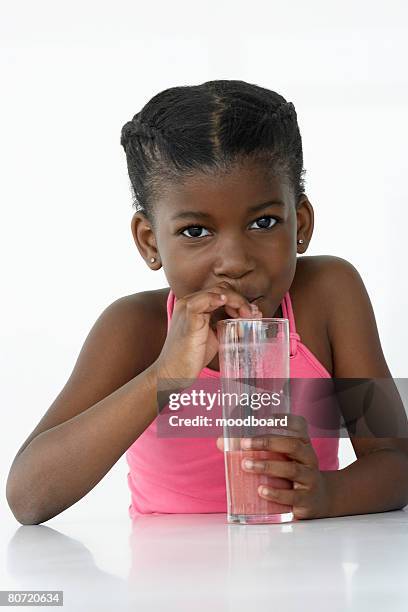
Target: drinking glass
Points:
x,y
254,360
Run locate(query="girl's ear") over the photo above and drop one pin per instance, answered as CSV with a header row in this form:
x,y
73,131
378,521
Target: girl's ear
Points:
x,y
305,223
145,239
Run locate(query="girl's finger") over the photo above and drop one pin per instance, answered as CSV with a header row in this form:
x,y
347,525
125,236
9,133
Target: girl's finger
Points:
x,y
232,312
295,448
291,470
234,299
297,426
195,310
289,497
201,303
220,444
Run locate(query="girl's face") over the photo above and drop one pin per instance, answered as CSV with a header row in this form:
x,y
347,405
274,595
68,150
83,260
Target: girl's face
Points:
x,y
241,227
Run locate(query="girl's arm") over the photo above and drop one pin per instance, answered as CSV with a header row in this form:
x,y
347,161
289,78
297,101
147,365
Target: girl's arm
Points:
x,y
378,480
108,401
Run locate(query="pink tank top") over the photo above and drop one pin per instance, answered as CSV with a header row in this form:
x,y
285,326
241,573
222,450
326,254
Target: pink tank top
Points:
x,y
187,475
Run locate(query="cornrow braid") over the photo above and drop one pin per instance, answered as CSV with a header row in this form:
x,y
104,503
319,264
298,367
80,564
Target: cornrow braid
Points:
x,y
140,129
134,135
284,109
207,128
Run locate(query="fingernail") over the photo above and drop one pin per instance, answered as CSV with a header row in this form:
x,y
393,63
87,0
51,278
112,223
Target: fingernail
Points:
x,y
246,443
248,463
254,308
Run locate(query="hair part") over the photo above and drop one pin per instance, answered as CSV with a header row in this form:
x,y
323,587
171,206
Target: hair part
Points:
x,y
209,129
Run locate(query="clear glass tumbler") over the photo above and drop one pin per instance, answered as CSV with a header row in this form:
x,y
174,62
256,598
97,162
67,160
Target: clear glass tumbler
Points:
x,y
254,361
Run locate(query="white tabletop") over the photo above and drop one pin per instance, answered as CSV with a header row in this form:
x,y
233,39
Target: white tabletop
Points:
x,y
186,562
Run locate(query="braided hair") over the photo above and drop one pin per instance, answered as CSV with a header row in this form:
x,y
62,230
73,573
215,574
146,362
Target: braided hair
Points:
x,y
208,128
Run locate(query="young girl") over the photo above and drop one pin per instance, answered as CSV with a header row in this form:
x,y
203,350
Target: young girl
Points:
x,y
216,172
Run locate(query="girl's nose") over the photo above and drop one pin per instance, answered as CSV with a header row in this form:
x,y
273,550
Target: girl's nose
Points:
x,y
233,261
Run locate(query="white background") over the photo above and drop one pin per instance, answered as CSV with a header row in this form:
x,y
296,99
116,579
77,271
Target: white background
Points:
x,y
74,73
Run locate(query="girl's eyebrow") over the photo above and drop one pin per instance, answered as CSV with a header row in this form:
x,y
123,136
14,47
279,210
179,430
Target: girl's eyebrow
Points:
x,y
203,215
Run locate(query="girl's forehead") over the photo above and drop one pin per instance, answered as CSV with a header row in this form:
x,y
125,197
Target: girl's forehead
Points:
x,y
238,189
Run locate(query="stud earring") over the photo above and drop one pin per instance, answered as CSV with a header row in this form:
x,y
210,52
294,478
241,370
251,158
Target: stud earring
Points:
x,y
152,259
301,241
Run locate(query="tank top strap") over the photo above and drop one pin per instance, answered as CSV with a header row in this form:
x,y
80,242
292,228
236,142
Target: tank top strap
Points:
x,y
170,305
287,312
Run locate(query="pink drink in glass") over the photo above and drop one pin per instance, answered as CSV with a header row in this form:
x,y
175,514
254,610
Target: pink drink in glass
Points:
x,y
242,489
252,351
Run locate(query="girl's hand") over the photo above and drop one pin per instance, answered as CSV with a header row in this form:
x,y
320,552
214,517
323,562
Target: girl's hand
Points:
x,y
309,497
191,343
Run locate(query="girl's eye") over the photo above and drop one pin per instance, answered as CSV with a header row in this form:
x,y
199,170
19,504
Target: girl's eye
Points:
x,y
199,228
267,226
194,228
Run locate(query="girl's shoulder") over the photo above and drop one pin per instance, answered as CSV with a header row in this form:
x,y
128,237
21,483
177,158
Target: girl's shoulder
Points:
x,y
147,316
335,318
307,297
